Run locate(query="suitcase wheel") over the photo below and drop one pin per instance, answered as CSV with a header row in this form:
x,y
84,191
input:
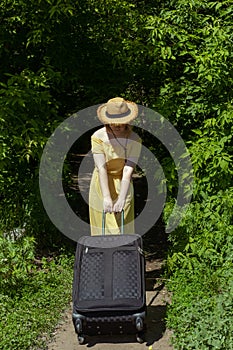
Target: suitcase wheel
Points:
x,y
81,339
78,325
140,338
139,324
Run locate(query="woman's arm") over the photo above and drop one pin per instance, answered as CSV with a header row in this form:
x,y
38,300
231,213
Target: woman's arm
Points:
x,y
100,162
125,182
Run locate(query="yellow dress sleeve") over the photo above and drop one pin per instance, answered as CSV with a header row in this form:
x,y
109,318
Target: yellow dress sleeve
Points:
x,y
96,145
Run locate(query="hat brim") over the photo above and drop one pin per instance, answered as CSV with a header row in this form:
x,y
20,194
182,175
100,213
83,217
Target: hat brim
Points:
x,y
105,119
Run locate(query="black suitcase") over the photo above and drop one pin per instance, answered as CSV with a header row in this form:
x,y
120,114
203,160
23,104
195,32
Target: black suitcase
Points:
x,y
109,286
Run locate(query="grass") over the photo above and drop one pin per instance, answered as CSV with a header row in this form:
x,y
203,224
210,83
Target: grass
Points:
x,y
29,315
201,317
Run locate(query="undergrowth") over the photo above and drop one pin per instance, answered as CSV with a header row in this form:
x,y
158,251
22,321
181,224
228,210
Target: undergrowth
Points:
x,y
200,268
201,318
32,299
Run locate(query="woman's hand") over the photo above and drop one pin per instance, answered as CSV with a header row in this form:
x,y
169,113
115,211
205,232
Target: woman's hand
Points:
x,y
119,205
108,205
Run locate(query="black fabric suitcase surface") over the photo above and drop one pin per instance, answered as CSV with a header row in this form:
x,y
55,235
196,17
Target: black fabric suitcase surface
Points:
x,y
109,286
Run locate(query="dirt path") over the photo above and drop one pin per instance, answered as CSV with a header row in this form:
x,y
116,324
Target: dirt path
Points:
x,y
157,336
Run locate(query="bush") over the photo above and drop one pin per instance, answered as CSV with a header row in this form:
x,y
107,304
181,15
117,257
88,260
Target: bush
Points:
x,y
16,262
200,318
34,310
200,266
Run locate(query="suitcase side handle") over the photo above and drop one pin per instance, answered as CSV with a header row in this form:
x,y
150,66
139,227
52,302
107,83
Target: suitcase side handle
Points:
x,y
104,219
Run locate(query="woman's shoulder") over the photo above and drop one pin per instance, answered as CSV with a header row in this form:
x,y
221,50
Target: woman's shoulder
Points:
x,y
100,134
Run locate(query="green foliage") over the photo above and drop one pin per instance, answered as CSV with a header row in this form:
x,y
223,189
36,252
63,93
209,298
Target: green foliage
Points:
x,y
16,262
212,153
201,265
22,141
29,114
201,319
208,222
193,41
35,309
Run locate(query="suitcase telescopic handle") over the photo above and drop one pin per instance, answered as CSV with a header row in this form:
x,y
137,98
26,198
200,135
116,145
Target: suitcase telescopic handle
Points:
x,y
103,222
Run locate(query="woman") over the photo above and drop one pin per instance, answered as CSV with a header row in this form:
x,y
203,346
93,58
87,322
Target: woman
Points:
x,y
116,149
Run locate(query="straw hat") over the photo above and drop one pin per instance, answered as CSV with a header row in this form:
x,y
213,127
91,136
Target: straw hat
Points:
x,y
117,111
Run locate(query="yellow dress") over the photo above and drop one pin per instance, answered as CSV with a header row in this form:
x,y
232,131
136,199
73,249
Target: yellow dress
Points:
x,y
115,161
